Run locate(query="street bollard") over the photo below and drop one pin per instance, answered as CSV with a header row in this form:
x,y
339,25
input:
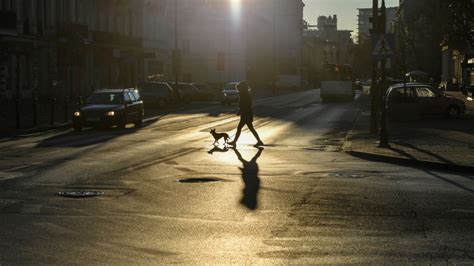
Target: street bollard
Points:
x,y
53,103
66,107
35,109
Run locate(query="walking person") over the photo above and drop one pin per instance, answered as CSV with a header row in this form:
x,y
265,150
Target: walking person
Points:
x,y
246,113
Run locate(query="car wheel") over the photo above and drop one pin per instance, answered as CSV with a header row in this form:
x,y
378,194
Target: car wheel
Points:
x,y
453,112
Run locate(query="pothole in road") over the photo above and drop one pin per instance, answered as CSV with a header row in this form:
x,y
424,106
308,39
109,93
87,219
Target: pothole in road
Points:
x,y
199,180
325,148
80,194
341,175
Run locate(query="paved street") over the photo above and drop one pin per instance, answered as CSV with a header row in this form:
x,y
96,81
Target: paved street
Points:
x,y
170,197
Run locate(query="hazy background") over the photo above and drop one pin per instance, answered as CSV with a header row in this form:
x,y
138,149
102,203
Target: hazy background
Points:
x,y
346,11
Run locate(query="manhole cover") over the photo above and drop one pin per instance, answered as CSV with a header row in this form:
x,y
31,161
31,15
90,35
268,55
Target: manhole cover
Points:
x,y
80,194
346,175
199,180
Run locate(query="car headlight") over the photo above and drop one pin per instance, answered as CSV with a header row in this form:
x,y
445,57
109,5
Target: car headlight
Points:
x,y
110,113
77,114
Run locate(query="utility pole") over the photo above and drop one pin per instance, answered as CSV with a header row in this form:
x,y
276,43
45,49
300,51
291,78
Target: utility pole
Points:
x,y
383,86
373,86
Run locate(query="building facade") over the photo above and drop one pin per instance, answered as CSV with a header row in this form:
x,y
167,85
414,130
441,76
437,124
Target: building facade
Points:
x,y
326,45
223,41
418,27
274,39
364,25
67,48
57,48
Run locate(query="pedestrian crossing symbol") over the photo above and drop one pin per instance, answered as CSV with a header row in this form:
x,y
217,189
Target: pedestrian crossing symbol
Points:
x,y
383,46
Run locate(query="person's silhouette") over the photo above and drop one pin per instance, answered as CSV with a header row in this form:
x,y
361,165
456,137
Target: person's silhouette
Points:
x,y
245,113
250,178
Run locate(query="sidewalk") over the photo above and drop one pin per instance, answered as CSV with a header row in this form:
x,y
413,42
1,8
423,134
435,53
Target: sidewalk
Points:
x,y
440,143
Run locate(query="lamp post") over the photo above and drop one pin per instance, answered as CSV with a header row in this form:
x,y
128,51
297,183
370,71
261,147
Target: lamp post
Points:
x,y
373,86
383,137
176,56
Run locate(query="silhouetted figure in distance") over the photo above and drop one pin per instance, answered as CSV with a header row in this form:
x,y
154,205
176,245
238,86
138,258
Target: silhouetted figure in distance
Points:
x,y
250,178
246,113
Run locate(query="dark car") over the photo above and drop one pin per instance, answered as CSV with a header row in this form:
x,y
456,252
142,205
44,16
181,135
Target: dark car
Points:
x,y
109,107
205,92
188,92
415,99
230,94
158,94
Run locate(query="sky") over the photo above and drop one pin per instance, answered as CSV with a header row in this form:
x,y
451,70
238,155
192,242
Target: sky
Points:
x,y
346,11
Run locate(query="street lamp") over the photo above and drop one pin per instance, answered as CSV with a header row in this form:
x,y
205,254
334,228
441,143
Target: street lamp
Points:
x,y
383,137
373,86
176,55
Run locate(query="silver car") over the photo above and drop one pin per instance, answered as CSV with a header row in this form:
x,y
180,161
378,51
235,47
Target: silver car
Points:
x,y
230,94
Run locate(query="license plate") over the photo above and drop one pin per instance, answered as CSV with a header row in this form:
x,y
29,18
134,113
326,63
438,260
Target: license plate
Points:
x,y
93,119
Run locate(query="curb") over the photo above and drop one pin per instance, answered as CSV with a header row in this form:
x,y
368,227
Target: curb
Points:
x,y
34,130
410,162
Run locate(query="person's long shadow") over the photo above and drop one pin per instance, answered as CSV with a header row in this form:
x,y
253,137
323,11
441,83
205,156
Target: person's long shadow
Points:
x,y
250,178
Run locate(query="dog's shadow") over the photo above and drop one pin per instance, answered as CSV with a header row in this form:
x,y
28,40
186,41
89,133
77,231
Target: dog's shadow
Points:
x,y
218,149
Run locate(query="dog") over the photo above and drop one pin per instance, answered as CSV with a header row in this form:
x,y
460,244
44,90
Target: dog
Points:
x,y
218,136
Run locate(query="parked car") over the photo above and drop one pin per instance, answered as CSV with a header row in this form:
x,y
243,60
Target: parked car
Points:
x,y
205,92
358,85
158,94
416,99
230,94
188,93
109,107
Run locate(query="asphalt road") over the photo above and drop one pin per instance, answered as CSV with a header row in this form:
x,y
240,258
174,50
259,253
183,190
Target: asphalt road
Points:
x,y
169,197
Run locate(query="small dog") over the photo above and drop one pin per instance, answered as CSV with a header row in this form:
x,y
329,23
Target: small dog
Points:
x,y
218,136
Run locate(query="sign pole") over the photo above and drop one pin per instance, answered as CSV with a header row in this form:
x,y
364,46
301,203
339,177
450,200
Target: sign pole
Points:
x,y
383,137
176,58
373,85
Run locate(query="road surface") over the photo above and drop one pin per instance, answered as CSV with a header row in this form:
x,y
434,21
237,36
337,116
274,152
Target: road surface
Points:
x,y
169,197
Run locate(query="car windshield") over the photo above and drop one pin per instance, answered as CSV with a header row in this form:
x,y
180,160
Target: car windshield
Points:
x,y
105,98
230,87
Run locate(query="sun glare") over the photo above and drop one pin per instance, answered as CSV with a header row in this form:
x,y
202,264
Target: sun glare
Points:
x,y
236,6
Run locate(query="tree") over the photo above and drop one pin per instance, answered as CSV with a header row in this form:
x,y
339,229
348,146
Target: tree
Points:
x,y
459,26
458,32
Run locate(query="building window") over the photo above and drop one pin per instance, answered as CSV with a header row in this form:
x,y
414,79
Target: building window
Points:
x,y
185,46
